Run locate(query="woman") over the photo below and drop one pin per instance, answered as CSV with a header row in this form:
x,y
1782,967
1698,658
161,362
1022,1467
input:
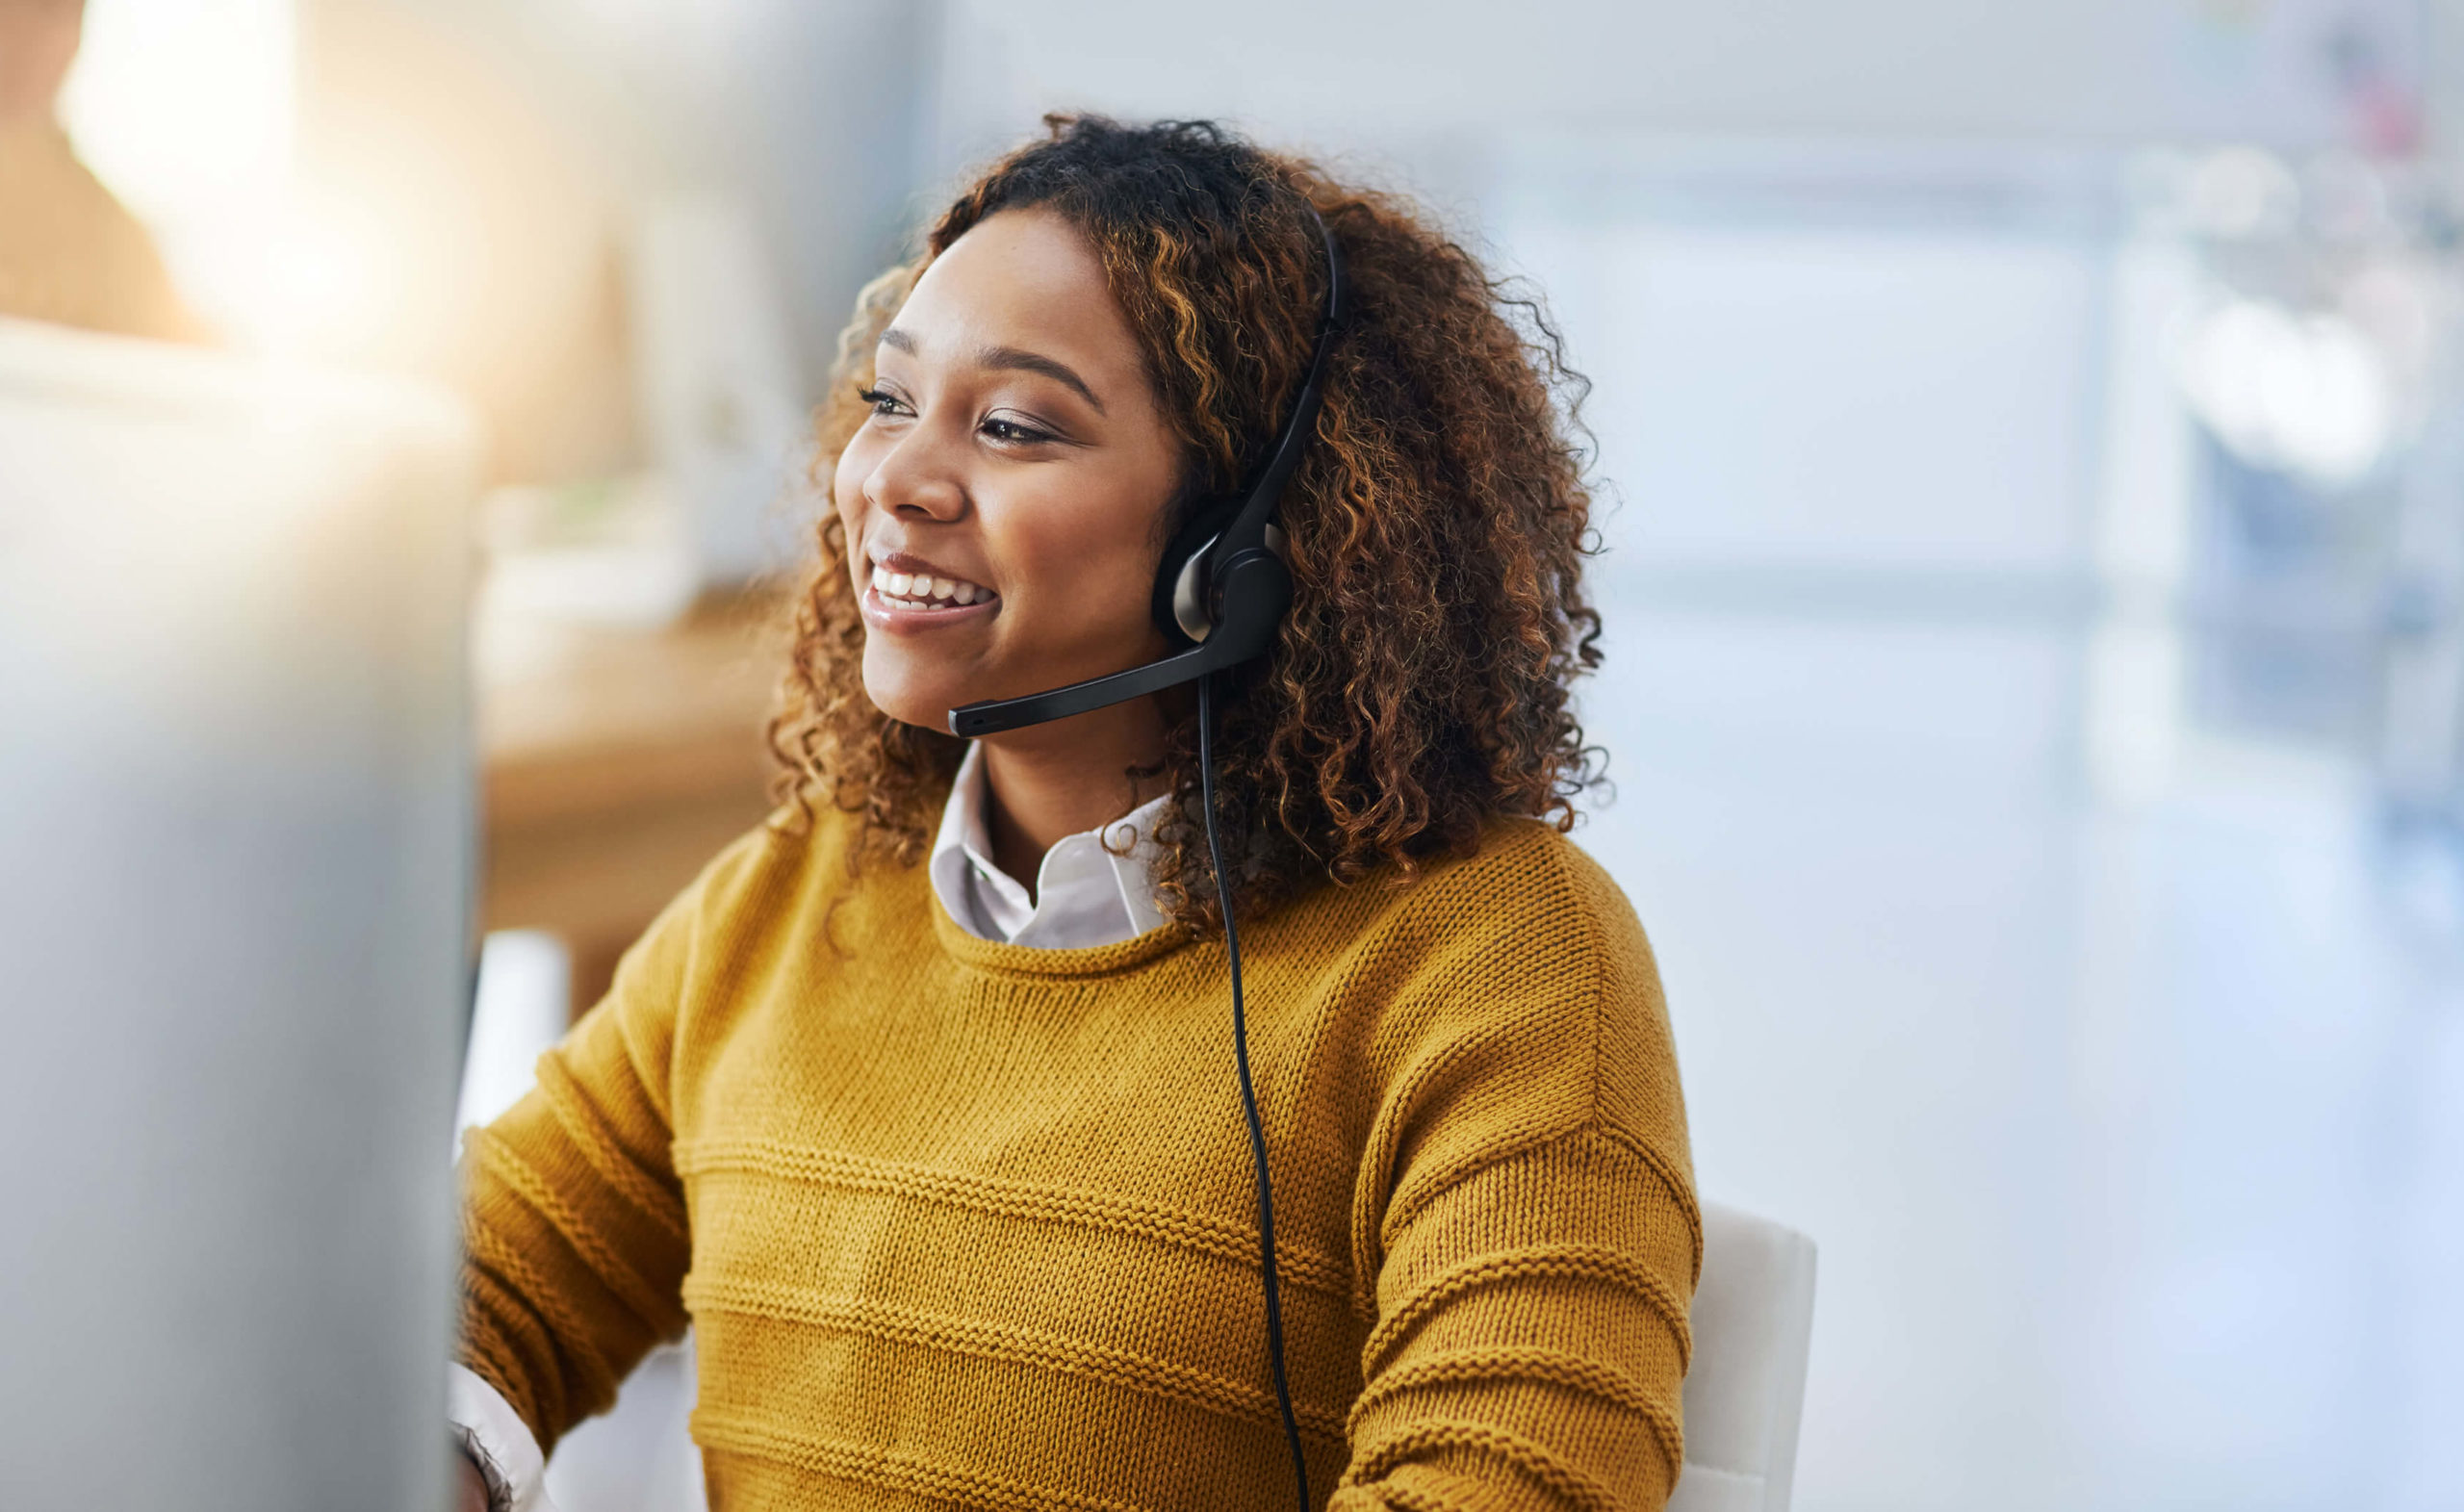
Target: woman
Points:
x,y
920,1102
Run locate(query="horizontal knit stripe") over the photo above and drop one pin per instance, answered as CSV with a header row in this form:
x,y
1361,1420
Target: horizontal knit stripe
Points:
x,y
1408,1206
1502,1146
1033,1347
881,1468
490,1150
1574,1261
1204,1232
1680,1185
1422,1487
510,1349
1404,1499
517,1275
598,1144
1515,1363
1565,1480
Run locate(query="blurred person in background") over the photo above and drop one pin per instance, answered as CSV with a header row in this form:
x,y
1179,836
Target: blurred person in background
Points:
x,y
919,1102
69,253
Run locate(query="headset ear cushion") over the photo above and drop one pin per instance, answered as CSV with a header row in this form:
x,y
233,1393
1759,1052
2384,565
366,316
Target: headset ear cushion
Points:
x,y
1198,528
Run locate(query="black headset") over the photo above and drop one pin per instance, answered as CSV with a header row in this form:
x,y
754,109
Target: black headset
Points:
x,y
1220,591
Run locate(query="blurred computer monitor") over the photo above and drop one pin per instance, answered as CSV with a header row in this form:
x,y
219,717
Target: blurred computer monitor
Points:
x,y
235,843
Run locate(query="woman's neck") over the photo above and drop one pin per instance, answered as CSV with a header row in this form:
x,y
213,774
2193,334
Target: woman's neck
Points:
x,y
1066,778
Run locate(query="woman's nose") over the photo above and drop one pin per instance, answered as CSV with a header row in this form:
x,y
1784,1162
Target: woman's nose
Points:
x,y
917,477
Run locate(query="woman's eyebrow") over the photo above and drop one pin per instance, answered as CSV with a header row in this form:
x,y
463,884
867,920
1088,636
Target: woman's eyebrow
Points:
x,y
1012,357
1015,358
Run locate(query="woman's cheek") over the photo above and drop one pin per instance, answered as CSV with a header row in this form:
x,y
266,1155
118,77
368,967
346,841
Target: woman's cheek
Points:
x,y
847,482
848,501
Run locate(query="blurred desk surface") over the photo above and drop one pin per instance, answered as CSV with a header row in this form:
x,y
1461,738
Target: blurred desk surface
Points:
x,y
617,763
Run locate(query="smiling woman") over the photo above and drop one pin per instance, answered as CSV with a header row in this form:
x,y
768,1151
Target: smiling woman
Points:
x,y
1411,699
918,1103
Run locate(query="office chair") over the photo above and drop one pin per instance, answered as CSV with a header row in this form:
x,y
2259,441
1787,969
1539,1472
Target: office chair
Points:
x,y
1753,1322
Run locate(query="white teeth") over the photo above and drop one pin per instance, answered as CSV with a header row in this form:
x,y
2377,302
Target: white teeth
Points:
x,y
924,591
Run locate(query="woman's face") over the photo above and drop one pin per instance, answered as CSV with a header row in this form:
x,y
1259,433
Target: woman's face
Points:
x,y
1002,502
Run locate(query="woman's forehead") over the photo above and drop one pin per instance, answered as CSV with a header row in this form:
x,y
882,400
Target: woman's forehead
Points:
x,y
1020,279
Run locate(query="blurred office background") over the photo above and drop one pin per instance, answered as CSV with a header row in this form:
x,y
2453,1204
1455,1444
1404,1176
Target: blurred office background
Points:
x,y
2032,439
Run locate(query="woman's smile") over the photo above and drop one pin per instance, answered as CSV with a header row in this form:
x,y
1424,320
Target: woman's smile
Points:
x,y
908,594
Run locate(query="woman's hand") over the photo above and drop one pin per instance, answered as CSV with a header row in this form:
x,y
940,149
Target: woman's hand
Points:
x,y
470,1487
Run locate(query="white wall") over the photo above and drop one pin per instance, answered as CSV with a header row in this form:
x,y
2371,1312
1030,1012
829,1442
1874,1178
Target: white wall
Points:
x,y
2102,72
1824,396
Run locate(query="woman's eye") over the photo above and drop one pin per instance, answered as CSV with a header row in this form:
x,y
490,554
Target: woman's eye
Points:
x,y
878,400
1010,430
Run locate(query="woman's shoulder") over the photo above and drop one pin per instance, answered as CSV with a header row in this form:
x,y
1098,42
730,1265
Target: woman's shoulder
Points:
x,y
793,860
1526,886
1517,992
1525,938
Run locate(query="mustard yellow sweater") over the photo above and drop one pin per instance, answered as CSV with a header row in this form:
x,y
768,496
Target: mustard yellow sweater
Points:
x,y
962,1223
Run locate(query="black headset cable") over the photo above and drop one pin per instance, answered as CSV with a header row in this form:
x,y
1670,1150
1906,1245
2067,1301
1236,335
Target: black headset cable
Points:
x,y
1248,1092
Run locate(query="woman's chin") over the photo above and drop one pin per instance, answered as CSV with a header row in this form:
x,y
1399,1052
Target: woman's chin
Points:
x,y
913,695
930,713
921,690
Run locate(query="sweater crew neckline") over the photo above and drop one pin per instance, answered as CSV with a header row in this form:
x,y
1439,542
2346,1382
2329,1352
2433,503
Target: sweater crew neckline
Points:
x,y
1001,958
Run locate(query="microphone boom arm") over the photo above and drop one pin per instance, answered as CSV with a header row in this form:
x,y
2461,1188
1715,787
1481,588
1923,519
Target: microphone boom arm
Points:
x,y
1257,590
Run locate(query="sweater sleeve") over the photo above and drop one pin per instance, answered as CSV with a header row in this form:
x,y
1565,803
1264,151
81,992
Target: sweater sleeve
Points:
x,y
574,1222
1532,1338
1537,1239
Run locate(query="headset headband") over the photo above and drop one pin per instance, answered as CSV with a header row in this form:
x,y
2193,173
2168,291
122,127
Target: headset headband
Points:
x,y
1248,528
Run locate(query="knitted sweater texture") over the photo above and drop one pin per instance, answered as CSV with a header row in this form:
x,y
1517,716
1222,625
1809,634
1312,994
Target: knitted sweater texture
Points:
x,y
962,1223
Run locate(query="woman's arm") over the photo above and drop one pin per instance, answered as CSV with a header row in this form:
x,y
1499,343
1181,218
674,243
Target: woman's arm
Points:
x,y
1531,1337
574,1220
1528,1217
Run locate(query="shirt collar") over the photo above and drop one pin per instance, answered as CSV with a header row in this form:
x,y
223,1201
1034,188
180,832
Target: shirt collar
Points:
x,y
1085,895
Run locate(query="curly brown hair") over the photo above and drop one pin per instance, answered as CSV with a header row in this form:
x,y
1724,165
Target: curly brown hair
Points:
x,y
1437,525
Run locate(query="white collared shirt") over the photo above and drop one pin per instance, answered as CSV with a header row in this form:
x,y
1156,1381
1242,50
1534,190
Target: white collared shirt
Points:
x,y
1085,895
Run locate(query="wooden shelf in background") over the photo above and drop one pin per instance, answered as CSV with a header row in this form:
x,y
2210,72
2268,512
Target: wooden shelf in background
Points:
x,y
617,763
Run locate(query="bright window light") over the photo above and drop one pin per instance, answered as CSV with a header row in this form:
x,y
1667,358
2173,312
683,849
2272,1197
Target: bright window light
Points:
x,y
185,106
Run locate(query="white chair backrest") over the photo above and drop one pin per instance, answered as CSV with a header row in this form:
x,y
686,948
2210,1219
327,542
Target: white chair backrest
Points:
x,y
1746,1390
